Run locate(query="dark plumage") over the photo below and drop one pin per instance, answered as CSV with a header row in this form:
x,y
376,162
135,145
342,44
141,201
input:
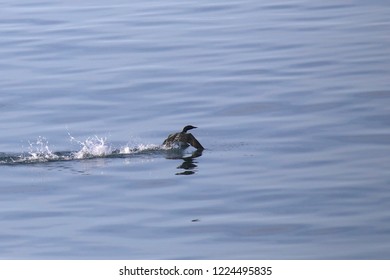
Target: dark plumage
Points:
x,y
183,139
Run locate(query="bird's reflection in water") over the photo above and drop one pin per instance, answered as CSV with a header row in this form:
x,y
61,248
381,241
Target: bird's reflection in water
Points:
x,y
189,164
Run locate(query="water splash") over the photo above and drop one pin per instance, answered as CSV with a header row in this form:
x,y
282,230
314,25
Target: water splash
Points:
x,y
92,147
40,151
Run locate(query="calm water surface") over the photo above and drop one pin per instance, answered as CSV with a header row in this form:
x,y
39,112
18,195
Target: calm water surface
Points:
x,y
291,100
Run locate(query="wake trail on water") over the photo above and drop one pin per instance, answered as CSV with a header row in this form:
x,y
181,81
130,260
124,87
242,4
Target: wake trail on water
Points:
x,y
92,147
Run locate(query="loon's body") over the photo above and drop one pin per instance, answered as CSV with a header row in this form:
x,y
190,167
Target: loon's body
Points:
x,y
183,139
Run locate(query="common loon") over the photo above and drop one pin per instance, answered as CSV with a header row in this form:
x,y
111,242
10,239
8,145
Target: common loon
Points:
x,y
182,139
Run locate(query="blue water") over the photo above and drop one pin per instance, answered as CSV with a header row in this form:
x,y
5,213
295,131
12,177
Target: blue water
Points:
x,y
291,100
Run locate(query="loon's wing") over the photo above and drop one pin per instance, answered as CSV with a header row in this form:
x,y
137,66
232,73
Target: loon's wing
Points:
x,y
193,142
171,138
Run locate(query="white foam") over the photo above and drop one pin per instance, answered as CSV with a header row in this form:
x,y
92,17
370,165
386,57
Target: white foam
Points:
x,y
138,148
147,147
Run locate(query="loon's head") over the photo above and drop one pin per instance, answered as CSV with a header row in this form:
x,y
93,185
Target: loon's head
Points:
x,y
188,127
